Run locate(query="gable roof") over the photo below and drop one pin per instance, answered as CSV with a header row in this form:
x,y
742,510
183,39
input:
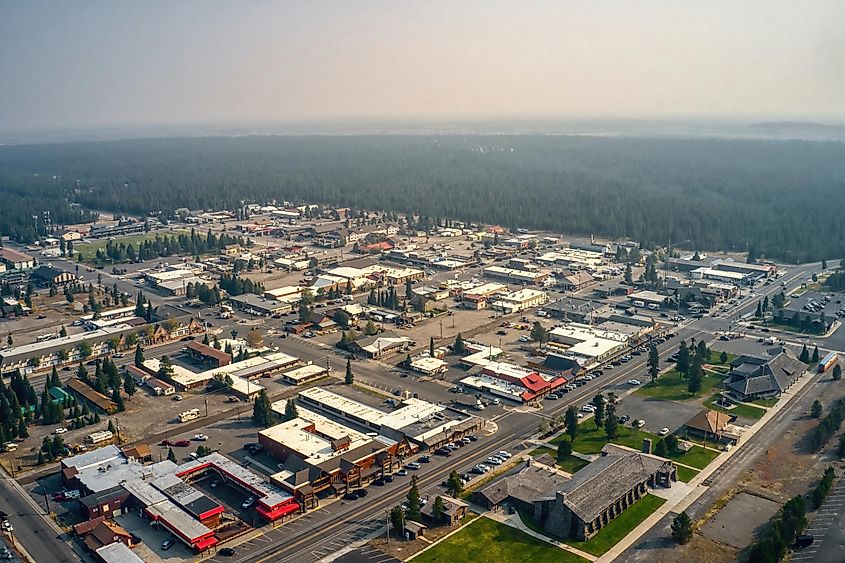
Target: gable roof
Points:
x,y
710,421
752,375
595,487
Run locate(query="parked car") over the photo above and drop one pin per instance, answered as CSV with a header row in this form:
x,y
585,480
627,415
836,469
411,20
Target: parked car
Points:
x,y
553,396
402,473
472,437
388,478
663,431
639,423
200,437
633,382
361,493
504,453
425,459
227,552
177,397
413,466
182,443
60,430
167,544
248,502
624,418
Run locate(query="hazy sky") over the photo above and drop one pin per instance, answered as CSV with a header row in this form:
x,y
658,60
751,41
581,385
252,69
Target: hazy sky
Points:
x,y
99,63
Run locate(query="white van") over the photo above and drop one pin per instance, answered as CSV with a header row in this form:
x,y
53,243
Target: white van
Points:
x,y
639,303
653,306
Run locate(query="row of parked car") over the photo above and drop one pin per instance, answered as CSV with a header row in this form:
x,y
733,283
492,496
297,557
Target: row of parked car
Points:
x,y
447,449
498,458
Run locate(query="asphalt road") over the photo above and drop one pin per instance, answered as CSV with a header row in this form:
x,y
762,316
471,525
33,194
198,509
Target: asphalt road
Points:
x,y
341,523
39,538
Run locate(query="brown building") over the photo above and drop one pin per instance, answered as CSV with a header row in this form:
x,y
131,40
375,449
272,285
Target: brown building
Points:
x,y
208,354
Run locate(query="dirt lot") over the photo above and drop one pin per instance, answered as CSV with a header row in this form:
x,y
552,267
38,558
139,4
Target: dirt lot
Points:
x,y
784,470
740,520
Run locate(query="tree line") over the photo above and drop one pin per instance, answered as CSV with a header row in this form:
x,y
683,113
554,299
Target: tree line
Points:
x,y
707,194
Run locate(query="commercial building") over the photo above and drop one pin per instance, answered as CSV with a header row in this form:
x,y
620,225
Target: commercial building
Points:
x,y
723,276
92,397
512,382
47,276
423,424
572,258
521,490
60,350
480,296
511,275
262,306
208,354
428,366
378,346
14,260
304,374
754,271
520,300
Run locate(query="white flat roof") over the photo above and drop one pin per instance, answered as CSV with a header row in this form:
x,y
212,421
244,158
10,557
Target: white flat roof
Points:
x,y
244,386
411,411
180,375
496,385
594,348
305,372
69,340
427,363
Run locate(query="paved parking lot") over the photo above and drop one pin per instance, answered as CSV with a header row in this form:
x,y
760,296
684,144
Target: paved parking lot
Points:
x,y
827,529
657,413
740,520
366,554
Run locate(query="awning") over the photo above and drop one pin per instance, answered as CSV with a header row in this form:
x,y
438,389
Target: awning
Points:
x,y
279,511
205,543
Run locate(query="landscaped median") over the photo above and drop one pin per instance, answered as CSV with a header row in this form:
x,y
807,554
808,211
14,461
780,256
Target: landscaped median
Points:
x,y
488,540
671,385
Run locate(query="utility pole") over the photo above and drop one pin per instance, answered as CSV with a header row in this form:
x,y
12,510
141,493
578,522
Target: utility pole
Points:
x,y
441,329
47,502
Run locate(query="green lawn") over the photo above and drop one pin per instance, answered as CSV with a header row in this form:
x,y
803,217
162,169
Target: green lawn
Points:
x,y
696,457
488,540
744,411
89,249
619,527
765,402
686,474
570,463
591,440
670,386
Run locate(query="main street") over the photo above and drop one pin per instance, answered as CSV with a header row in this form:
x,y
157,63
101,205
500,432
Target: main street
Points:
x,y
340,523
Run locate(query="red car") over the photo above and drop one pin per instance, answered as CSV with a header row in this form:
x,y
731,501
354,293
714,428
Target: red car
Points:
x,y
182,443
166,443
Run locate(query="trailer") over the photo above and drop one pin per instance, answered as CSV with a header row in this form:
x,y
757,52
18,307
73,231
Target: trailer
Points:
x,y
99,437
192,414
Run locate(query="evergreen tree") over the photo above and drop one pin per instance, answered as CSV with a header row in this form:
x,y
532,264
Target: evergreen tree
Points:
x,y
170,455
459,347
262,413
454,484
682,529
696,375
438,510
413,510
598,414
815,357
629,276
653,362
702,352
349,378
118,399
139,356
397,519
611,423
837,372
539,334
572,423
564,448
431,346
723,357
816,409
129,384
805,354
682,363
291,412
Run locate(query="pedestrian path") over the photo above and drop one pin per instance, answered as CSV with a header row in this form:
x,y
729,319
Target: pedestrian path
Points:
x,y
514,521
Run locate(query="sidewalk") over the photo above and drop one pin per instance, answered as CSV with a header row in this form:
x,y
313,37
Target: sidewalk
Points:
x,y
696,486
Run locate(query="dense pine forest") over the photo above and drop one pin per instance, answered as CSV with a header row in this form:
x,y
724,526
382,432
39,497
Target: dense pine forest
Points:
x,y
784,199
